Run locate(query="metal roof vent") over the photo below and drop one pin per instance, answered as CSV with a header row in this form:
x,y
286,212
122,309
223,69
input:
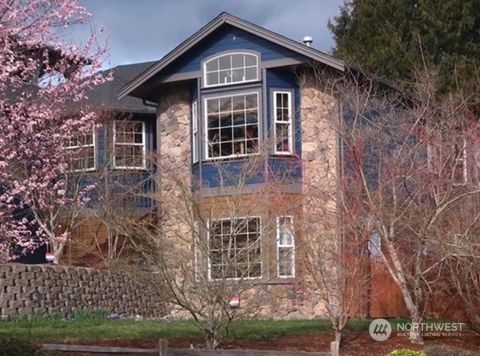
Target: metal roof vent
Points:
x,y
307,41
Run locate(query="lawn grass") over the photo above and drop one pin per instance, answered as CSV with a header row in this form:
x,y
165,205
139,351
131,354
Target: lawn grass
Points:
x,y
54,329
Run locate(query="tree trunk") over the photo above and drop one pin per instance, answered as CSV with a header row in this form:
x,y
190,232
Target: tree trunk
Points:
x,y
57,251
338,336
416,332
211,342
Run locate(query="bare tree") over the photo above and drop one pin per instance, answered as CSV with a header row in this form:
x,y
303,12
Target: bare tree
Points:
x,y
209,245
403,171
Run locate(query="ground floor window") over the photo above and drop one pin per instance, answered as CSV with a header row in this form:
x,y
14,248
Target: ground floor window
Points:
x,y
235,249
285,247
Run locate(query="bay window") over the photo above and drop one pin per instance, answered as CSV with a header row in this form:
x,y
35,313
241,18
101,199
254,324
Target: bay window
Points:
x,y
282,114
194,132
232,125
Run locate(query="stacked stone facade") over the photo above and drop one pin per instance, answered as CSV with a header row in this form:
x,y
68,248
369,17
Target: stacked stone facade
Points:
x,y
45,290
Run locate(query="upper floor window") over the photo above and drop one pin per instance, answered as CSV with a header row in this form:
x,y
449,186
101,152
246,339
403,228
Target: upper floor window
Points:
x,y
129,149
194,132
81,152
232,125
230,69
282,113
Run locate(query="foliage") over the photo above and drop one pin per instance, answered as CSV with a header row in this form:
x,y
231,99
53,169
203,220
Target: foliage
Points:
x,y
43,86
406,352
19,347
397,38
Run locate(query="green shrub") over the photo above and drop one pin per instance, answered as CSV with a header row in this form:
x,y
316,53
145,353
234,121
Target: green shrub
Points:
x,y
17,347
406,352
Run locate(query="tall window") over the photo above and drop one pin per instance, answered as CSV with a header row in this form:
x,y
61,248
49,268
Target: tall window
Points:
x,y
232,125
285,247
460,161
230,69
129,145
194,132
235,248
81,153
282,113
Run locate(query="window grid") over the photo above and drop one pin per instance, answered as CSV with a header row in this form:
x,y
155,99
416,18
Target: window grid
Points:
x,y
282,113
194,132
235,248
129,145
231,68
81,153
285,247
232,128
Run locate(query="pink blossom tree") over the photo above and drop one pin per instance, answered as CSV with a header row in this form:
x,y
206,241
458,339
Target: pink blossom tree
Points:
x,y
44,84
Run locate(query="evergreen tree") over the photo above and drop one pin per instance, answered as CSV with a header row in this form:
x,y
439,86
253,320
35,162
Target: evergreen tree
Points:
x,y
397,38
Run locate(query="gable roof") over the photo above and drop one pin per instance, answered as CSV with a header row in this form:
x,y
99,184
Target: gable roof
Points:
x,y
226,18
105,95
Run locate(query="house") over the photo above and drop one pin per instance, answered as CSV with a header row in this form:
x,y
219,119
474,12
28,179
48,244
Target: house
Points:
x,y
222,95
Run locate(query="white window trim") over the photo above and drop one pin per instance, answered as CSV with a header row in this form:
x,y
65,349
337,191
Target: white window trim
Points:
x,y
143,144
94,144
463,161
204,69
205,125
290,122
195,144
197,251
209,262
292,246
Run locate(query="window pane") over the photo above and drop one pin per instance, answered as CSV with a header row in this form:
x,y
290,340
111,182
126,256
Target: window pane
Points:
x,y
212,65
226,104
225,62
251,101
251,73
250,60
225,77
237,75
213,106
239,103
212,78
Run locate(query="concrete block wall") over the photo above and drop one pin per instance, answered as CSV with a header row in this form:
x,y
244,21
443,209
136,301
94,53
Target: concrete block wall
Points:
x,y
45,289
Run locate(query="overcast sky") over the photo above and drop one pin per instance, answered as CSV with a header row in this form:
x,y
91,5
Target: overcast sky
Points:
x,y
144,30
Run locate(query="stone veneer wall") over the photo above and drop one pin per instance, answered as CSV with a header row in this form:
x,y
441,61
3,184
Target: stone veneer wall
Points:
x,y
46,289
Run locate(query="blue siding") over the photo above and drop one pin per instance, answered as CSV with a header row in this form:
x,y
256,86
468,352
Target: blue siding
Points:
x,y
227,173
285,78
138,181
227,38
285,169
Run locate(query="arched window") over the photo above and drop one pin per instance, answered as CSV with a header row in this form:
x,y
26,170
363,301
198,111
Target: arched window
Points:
x,y
230,68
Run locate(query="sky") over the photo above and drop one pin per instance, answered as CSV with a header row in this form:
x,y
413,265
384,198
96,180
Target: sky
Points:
x,y
145,30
